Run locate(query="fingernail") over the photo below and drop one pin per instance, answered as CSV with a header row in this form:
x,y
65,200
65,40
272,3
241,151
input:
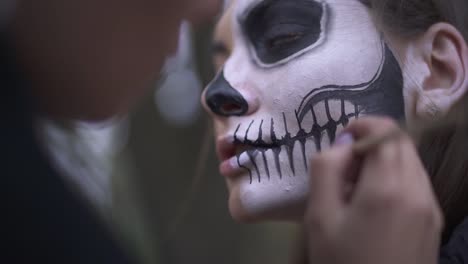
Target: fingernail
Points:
x,y
344,139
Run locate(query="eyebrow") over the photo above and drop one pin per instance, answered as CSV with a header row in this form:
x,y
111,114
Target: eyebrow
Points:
x,y
219,48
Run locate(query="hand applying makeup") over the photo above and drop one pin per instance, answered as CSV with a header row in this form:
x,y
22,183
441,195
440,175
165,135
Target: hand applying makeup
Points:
x,y
390,216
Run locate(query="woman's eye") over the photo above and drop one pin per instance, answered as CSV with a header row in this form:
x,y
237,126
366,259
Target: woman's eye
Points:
x,y
277,29
285,39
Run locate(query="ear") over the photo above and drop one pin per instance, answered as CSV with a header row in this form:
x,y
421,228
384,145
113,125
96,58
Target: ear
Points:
x,y
443,54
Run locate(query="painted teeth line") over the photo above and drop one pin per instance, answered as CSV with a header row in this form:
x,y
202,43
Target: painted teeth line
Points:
x,y
237,141
276,151
288,141
260,142
366,97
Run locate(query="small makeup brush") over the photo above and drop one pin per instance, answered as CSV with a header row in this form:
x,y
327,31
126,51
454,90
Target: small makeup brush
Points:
x,y
365,145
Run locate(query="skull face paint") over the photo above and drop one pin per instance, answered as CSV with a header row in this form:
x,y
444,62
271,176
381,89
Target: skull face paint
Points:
x,y
300,70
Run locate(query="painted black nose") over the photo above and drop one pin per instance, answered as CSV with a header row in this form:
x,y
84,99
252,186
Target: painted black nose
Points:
x,y
223,99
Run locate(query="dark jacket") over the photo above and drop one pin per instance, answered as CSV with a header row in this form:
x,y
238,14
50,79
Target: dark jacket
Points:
x,y
42,220
456,250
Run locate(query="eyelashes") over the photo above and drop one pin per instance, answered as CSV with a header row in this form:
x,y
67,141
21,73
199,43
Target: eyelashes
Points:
x,y
284,39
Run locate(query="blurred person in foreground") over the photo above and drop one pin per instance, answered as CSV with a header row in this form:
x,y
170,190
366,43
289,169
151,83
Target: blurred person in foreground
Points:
x,y
87,60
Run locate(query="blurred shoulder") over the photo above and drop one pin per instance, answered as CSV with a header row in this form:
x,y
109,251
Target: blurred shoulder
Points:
x,y
456,250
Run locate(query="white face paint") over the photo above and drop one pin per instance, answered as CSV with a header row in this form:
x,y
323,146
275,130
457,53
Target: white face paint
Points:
x,y
299,72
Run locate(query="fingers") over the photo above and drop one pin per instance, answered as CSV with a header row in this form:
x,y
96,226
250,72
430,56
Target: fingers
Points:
x,y
334,172
380,173
327,184
417,188
392,199
381,165
392,176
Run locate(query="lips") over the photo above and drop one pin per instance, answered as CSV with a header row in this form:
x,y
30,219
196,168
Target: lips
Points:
x,y
228,150
225,149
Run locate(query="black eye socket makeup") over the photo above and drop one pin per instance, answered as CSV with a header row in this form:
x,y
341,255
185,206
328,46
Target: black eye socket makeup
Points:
x,y
279,29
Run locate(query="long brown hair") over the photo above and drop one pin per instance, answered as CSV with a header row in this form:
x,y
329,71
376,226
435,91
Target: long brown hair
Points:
x,y
444,149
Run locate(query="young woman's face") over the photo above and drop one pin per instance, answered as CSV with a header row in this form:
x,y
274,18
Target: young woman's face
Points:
x,y
92,59
298,72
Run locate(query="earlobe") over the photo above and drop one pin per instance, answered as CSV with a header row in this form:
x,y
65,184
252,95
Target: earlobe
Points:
x,y
445,53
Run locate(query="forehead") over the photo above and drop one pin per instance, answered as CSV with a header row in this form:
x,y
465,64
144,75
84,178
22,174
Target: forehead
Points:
x,y
223,26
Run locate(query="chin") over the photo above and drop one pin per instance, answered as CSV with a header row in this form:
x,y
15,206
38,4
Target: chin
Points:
x,y
246,210
239,214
